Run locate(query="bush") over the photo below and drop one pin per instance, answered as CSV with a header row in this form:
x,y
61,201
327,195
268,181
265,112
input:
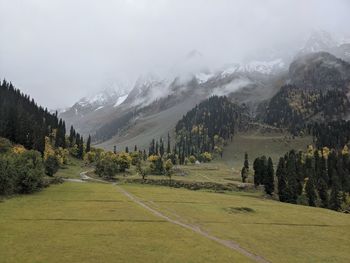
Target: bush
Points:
x,y
156,165
205,157
135,158
5,145
7,175
124,161
30,172
51,165
110,164
192,159
107,166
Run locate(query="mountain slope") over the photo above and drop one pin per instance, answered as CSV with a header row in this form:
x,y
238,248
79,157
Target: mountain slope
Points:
x,y
318,89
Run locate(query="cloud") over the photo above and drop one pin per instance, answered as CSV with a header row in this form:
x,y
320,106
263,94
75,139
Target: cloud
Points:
x,y
59,50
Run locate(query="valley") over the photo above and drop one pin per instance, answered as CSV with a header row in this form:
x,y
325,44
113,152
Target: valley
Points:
x,y
175,131
75,222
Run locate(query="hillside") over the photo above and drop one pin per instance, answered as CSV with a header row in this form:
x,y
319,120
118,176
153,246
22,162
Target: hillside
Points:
x,y
22,121
317,90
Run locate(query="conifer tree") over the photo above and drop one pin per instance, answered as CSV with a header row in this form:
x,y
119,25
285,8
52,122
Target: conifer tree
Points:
x,y
246,162
88,144
168,149
323,193
81,148
281,174
269,179
311,191
335,198
161,147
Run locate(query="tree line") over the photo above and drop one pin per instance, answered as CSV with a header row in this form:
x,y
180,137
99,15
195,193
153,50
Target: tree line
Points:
x,y
33,142
208,127
22,121
318,177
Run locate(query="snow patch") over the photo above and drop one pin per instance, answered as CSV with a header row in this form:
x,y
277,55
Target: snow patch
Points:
x,y
263,67
120,100
99,108
203,77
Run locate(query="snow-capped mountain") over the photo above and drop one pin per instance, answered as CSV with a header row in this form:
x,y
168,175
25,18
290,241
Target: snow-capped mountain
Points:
x,y
104,98
262,67
122,113
318,41
148,89
94,106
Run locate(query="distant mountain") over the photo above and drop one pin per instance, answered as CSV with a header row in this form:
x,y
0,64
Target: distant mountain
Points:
x,y
318,41
155,106
323,41
86,113
155,103
317,89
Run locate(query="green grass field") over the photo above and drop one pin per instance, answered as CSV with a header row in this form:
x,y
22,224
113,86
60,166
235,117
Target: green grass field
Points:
x,y
277,231
72,170
272,145
93,222
96,222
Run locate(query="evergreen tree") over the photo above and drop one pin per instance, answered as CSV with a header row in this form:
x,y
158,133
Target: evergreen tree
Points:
x,y
311,192
161,147
246,162
323,193
168,149
88,144
269,179
281,174
292,184
257,172
81,148
244,174
71,136
335,198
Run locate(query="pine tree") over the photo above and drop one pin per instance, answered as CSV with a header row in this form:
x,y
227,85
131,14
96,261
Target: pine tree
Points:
x,y
269,179
311,192
168,150
246,162
335,198
292,184
323,193
157,148
257,171
81,148
88,144
244,174
161,147
71,136
281,174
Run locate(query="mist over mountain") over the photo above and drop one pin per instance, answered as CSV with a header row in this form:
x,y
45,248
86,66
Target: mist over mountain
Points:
x,y
46,54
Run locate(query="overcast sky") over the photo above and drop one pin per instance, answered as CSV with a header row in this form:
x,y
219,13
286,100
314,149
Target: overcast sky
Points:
x,y
60,50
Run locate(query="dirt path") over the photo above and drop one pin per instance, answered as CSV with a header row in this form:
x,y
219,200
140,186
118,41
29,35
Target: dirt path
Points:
x,y
84,177
227,243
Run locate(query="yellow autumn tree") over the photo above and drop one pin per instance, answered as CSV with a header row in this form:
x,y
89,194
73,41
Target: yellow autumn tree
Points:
x,y
345,150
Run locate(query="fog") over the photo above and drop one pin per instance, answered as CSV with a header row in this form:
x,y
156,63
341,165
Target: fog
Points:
x,y
60,50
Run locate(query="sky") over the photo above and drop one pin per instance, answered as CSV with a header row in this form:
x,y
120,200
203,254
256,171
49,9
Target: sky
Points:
x,y
61,50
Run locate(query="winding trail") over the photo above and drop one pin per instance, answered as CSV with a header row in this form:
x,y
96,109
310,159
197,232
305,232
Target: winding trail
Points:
x,y
227,243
